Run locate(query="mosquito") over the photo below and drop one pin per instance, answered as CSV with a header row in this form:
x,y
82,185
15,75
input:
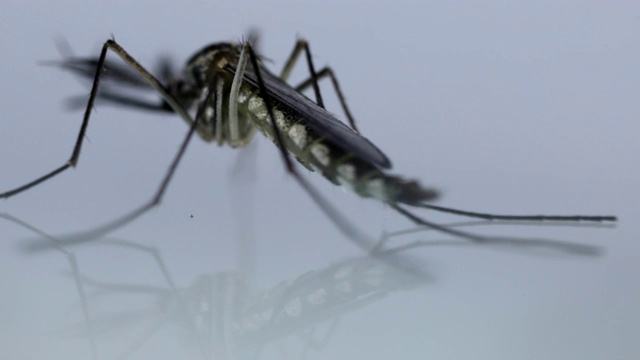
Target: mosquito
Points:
x,y
233,94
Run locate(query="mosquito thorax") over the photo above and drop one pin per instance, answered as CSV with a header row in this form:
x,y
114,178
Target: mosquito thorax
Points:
x,y
201,67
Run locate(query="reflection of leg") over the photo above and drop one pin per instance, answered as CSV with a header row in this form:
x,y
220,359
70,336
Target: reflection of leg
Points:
x,y
512,243
177,295
76,277
141,339
163,316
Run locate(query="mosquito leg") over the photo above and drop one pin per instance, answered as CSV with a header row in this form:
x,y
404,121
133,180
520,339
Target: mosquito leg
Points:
x,y
218,109
234,122
351,232
315,78
173,103
129,217
75,155
177,107
346,228
519,217
328,72
37,181
76,276
551,244
241,130
302,44
443,229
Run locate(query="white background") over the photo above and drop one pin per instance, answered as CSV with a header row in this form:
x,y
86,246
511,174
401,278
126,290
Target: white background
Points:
x,y
505,107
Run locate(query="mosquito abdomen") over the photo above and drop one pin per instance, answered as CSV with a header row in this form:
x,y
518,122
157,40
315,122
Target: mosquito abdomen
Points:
x,y
337,165
384,187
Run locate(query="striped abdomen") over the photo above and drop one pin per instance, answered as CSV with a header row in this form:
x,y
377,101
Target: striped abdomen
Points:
x,y
317,154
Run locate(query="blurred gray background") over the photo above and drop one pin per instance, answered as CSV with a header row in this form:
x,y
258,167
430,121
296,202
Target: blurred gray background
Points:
x,y
505,107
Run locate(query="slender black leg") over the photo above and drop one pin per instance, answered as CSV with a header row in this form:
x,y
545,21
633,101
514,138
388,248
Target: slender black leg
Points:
x,y
349,230
520,244
293,58
37,181
175,105
75,155
328,72
315,77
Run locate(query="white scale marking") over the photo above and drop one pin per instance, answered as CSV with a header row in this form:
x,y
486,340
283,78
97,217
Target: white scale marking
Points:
x,y
293,308
344,287
347,176
317,297
298,134
242,96
208,112
280,120
321,153
375,187
257,108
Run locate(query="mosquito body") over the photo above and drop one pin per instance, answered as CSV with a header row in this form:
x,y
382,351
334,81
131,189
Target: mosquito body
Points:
x,y
232,94
315,137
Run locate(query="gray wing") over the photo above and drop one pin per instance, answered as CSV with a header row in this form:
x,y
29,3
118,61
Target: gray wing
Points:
x,y
317,118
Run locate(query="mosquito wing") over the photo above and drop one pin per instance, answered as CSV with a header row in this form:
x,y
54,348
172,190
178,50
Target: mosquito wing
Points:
x,y
114,72
317,118
117,79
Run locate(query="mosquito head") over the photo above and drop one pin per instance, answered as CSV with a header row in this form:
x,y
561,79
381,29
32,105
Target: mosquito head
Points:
x,y
211,59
